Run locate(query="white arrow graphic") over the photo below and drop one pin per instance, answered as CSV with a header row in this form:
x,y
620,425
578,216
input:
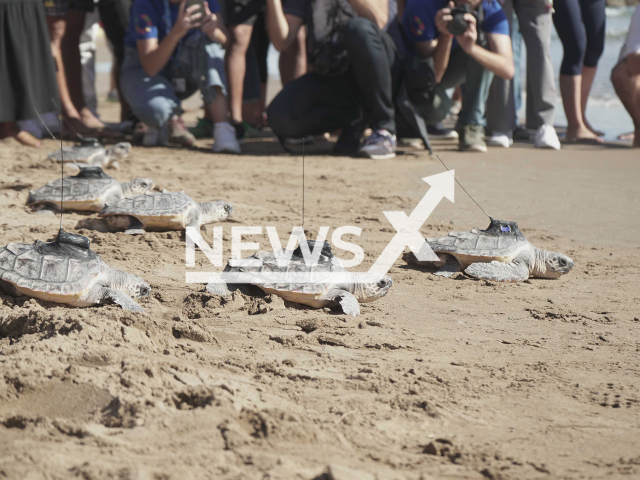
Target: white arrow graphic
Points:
x,y
407,227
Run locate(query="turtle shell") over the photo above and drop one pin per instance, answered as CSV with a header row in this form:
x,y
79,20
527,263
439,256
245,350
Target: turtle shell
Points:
x,y
164,210
78,153
60,271
502,241
301,283
89,190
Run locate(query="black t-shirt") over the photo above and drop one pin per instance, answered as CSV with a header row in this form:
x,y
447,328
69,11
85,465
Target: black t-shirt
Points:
x,y
316,14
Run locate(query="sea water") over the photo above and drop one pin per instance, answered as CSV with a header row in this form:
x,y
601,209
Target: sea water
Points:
x,y
604,109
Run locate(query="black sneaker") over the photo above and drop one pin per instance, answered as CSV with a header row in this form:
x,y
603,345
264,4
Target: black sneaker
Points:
x,y
440,131
348,142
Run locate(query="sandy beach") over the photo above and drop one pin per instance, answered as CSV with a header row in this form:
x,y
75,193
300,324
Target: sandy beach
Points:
x,y
442,378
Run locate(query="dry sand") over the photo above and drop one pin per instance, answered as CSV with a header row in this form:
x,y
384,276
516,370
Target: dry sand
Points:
x,y
442,378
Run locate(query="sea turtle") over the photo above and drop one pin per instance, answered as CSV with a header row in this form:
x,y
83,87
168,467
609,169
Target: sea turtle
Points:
x,y
320,283
500,253
67,271
89,190
157,211
92,152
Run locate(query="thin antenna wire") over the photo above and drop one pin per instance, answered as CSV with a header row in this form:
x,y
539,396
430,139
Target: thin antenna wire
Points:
x,y
304,140
67,122
465,190
53,136
71,127
62,167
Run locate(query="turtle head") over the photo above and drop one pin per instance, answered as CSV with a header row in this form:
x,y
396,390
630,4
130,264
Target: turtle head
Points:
x,y
119,150
371,286
137,186
557,264
132,285
212,212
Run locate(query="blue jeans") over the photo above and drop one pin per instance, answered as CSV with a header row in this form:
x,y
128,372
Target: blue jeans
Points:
x,y
154,100
477,79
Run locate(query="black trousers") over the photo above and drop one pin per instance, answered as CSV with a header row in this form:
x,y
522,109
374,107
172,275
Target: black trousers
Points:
x,y
314,104
114,15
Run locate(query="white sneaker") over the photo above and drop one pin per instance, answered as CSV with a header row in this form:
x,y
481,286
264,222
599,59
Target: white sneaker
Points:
x,y
225,139
546,137
500,140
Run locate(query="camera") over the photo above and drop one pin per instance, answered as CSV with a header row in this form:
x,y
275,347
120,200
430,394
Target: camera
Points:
x,y
330,59
459,25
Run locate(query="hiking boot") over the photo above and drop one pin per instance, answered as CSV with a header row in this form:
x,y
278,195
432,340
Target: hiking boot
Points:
x,y
203,129
379,145
472,138
348,142
225,138
178,133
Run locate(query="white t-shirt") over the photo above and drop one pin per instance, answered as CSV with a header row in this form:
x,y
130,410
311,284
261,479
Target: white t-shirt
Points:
x,y
632,43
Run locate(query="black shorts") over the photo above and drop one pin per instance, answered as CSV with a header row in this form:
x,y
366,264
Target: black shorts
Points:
x,y
234,9
114,15
60,7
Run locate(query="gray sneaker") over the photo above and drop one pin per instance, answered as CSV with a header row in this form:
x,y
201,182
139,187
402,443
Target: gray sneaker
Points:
x,y
379,145
472,138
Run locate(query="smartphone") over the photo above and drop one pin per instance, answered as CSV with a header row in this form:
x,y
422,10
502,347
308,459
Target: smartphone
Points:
x,y
200,11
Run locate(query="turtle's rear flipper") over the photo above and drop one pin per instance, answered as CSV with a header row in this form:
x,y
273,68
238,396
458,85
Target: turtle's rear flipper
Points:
x,y
347,301
450,267
499,272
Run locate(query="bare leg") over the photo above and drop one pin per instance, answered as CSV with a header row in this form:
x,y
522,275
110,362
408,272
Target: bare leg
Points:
x,y
236,67
73,68
124,106
217,111
293,61
588,75
626,81
57,27
571,90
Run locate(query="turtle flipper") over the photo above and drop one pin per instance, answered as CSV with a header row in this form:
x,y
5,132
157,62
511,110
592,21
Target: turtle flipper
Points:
x,y
347,301
451,266
218,288
499,271
101,295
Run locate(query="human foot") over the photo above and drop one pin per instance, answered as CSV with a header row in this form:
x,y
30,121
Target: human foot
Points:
x,y
626,137
90,120
582,135
599,133
25,138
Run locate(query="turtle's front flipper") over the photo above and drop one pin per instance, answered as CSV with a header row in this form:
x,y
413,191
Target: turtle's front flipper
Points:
x,y
347,301
499,272
102,295
450,267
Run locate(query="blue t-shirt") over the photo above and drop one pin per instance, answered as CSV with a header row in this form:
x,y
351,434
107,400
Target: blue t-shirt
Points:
x,y
147,19
419,20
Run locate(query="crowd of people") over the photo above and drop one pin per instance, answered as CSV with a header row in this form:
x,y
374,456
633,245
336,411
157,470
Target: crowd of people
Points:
x,y
371,71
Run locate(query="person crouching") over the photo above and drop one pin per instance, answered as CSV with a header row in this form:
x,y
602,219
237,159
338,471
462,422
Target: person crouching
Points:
x,y
172,51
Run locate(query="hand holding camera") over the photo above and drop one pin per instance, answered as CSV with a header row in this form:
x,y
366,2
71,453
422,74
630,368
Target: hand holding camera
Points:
x,y
460,21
